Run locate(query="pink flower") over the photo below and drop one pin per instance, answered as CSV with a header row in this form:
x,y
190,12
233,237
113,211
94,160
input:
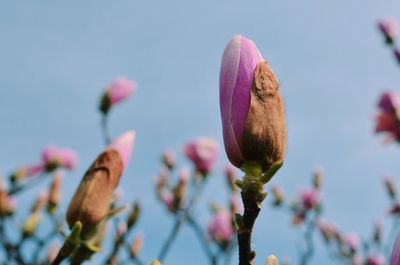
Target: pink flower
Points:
x,y
220,227
328,230
309,199
389,102
252,121
168,201
54,157
395,257
376,259
389,29
387,120
124,145
352,241
25,172
118,91
203,152
356,260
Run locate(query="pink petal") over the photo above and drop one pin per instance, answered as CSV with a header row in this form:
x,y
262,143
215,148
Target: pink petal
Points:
x,y
203,152
124,145
121,89
239,61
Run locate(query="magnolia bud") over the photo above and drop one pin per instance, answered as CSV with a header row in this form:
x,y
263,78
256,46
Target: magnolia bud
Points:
x,y
7,202
168,158
118,91
31,223
317,178
40,202
203,152
26,172
136,245
220,227
90,204
91,201
55,194
252,110
54,157
376,259
179,192
272,260
389,29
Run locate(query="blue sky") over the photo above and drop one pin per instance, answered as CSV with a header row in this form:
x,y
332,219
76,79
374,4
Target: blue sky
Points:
x,y
56,58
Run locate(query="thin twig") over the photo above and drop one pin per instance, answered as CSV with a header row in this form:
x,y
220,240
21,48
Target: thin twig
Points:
x,y
104,128
203,241
308,237
168,243
29,184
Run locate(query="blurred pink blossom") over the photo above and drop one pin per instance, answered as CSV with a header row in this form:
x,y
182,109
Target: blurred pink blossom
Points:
x,y
352,241
389,29
124,145
309,198
376,259
120,89
168,201
387,119
328,230
220,227
28,171
203,152
54,157
356,261
236,205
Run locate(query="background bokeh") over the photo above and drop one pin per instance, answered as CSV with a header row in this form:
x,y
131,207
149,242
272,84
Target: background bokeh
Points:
x,y
57,56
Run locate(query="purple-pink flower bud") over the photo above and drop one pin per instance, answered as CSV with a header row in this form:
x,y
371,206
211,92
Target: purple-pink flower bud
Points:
x,y
120,89
387,120
309,198
395,257
389,29
251,106
26,172
328,230
116,92
203,152
220,227
124,145
168,201
376,259
54,157
352,241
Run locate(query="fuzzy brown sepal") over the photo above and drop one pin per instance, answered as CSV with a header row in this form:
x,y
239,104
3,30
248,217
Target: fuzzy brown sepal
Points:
x,y
91,202
264,138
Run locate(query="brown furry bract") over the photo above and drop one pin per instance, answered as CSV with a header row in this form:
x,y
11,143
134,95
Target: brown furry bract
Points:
x,y
91,201
264,138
